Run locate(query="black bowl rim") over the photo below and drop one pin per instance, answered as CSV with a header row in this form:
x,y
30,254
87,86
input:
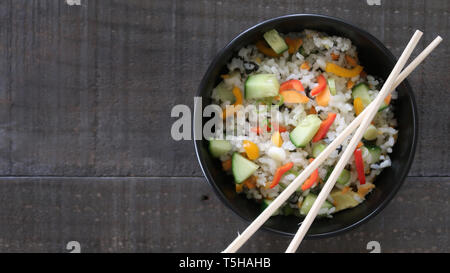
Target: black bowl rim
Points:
x,y
390,196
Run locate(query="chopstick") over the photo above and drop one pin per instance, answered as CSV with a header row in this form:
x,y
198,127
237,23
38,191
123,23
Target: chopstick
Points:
x,y
286,193
368,117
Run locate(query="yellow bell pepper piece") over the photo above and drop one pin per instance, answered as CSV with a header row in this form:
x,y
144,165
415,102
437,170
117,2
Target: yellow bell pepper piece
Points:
x,y
343,72
276,139
358,105
251,149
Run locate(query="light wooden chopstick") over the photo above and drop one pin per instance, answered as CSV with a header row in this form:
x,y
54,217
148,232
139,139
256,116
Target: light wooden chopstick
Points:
x,y
368,117
286,193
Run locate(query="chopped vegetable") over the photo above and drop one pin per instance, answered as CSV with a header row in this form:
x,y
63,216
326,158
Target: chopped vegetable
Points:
x,y
223,92
375,153
218,147
292,96
363,190
317,148
305,131
226,165
309,201
335,57
242,168
359,166
344,200
312,180
251,149
250,182
371,133
292,85
305,66
239,187
321,87
350,84
332,86
293,43
387,100
324,97
279,173
264,49
343,72
261,86
276,139
324,127
275,41
361,90
344,177
351,61
358,105
238,95
312,110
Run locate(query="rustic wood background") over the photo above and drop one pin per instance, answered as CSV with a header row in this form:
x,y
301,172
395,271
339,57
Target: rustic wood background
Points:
x,y
85,148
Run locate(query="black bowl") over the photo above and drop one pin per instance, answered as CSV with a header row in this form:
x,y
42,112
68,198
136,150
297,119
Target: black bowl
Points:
x,y
377,60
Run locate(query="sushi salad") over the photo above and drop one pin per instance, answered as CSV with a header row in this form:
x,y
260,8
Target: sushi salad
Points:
x,y
307,88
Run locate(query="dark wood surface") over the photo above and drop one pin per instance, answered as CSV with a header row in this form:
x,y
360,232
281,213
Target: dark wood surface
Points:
x,y
85,147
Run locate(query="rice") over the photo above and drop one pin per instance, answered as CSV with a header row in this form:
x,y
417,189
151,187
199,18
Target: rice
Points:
x,y
318,48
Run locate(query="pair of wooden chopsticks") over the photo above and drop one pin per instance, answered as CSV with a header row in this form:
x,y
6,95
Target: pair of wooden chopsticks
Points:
x,y
362,120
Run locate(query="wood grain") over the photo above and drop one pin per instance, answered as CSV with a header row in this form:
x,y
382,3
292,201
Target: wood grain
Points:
x,y
184,215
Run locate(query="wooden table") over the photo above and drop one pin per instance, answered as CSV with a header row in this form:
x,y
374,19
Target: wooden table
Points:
x,y
85,147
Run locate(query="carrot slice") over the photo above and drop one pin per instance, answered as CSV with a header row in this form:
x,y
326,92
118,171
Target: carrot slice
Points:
x,y
335,57
226,165
387,100
292,96
293,44
305,66
264,49
324,97
352,61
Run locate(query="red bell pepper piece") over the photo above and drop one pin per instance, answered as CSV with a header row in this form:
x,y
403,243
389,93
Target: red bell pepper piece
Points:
x,y
322,85
292,85
312,179
279,173
359,166
324,127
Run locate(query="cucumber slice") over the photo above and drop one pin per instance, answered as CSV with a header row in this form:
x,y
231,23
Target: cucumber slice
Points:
x,y
383,106
305,131
344,177
375,153
266,203
242,168
275,41
309,201
371,133
317,148
223,92
361,90
261,86
218,147
332,86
